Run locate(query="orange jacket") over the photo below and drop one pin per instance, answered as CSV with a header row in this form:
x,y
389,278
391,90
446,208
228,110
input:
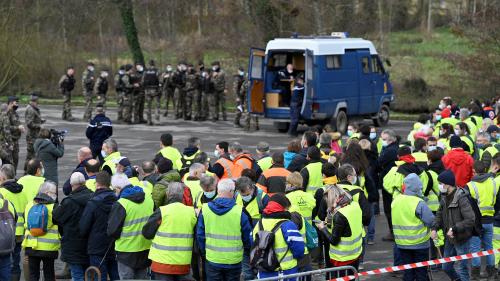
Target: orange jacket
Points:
x,y
272,175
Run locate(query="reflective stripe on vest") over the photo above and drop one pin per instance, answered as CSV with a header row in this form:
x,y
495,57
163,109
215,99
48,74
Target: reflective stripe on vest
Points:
x,y
315,177
303,203
173,242
19,201
172,154
228,168
492,150
111,161
50,241
408,229
349,248
137,214
485,195
223,236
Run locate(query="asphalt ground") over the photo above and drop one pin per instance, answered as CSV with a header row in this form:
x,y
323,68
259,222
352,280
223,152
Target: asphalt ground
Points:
x,y
141,142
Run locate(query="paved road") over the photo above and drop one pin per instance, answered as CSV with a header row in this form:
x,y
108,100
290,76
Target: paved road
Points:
x,y
140,142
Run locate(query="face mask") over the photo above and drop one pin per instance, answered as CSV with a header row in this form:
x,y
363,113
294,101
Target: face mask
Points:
x,y
104,74
442,106
384,143
373,136
103,154
214,68
442,189
247,198
139,68
241,73
231,156
217,153
438,117
349,133
480,145
431,148
457,132
91,68
353,180
209,194
169,68
121,72
42,172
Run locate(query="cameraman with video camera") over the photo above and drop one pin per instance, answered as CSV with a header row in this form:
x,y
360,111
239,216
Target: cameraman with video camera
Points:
x,y
49,146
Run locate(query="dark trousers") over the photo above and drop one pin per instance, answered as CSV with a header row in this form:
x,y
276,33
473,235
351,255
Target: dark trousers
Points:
x,y
5,263
108,267
222,274
413,256
48,268
16,259
294,117
387,200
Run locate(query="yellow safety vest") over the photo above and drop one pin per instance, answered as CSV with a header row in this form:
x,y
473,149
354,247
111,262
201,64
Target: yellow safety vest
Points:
x,y
349,248
485,194
19,201
223,236
408,229
51,241
492,150
420,157
145,185
31,185
194,186
90,184
470,143
172,154
254,207
173,242
315,177
137,214
265,163
111,161
432,199
302,203
280,246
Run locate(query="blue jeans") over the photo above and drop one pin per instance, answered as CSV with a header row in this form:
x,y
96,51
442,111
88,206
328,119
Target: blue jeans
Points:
x,y
454,250
486,239
5,264
16,259
413,256
77,271
370,235
109,267
215,273
397,255
247,269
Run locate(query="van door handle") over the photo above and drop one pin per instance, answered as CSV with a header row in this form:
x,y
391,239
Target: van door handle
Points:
x,y
374,81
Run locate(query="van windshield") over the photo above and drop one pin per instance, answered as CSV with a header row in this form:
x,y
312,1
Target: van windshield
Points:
x,y
283,67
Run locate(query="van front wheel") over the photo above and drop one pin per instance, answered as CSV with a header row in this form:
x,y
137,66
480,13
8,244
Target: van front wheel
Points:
x,y
339,123
382,117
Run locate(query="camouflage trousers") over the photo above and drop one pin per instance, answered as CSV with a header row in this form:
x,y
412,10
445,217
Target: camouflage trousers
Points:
x,y
221,104
168,94
248,118
119,102
204,106
188,103
128,106
139,98
66,111
179,97
101,99
152,95
240,108
30,141
6,154
88,105
15,154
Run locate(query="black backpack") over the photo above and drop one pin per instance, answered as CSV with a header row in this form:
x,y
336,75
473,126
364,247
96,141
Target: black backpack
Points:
x,y
186,163
263,257
151,77
7,229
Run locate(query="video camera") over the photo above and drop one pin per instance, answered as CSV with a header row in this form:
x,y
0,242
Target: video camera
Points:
x,y
57,137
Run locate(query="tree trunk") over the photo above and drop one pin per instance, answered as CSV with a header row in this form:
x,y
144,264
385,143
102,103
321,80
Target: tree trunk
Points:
x,y
63,27
127,15
429,15
317,17
200,14
148,22
99,26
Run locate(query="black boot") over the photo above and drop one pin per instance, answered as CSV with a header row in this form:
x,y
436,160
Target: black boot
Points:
x,y
475,273
491,272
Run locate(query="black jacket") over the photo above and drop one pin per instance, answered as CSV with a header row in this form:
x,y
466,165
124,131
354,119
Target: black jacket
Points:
x,y
67,216
299,161
80,168
387,159
340,229
98,130
94,222
363,203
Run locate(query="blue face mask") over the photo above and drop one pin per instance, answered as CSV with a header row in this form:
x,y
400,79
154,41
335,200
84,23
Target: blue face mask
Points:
x,y
209,194
480,145
103,154
247,198
438,117
373,136
350,133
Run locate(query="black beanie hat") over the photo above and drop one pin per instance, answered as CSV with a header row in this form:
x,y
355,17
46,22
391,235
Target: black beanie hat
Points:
x,y
404,150
455,142
447,177
164,165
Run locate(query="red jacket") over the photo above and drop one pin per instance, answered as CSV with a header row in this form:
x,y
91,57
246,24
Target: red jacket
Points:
x,y
461,164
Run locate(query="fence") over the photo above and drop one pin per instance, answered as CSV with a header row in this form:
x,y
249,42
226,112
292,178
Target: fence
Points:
x,y
321,273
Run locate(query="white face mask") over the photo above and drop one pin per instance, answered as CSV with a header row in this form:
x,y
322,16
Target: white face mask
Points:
x,y
384,143
442,189
442,106
217,153
241,73
353,180
139,68
103,154
431,148
214,68
169,68
373,135
121,72
104,74
232,157
457,132
91,68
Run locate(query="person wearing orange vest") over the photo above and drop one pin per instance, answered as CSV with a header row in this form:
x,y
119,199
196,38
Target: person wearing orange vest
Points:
x,y
277,172
241,160
224,166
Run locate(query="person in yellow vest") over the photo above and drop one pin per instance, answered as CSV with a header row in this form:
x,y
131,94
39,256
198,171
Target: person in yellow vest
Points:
x,y
111,156
353,131
208,186
420,152
434,144
126,220
171,229
91,168
168,150
188,155
13,192
193,180
484,190
289,244
464,117
311,173
411,222
486,149
223,232
33,179
263,155
462,130
343,229
44,248
302,202
325,146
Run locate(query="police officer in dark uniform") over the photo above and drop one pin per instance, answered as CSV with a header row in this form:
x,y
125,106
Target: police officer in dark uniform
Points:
x,y
296,104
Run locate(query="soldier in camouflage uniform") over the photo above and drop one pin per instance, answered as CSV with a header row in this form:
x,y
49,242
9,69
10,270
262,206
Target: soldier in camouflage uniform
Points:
x,y
101,88
88,82
33,120
120,91
66,85
151,83
6,144
218,80
179,95
16,128
190,89
128,94
238,80
168,88
203,90
139,95
245,108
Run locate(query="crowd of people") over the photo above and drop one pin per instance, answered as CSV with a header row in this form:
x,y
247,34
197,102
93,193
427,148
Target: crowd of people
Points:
x,y
241,214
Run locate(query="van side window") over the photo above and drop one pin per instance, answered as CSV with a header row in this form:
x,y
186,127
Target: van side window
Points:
x,y
279,60
257,67
377,67
365,64
333,62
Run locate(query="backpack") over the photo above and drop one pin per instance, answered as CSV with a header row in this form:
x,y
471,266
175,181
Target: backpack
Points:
x,y
262,256
478,226
151,77
311,236
37,219
186,163
7,230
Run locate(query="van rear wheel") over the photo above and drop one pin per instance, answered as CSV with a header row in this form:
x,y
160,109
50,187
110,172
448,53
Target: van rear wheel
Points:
x,y
339,123
382,117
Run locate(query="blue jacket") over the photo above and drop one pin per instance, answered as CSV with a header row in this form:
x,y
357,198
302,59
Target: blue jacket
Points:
x,y
288,155
98,130
221,206
94,222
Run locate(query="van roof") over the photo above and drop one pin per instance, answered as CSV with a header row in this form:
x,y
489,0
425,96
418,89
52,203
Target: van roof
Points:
x,y
321,46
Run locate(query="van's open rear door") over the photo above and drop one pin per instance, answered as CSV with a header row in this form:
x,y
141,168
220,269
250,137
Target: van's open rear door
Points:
x,y
308,82
255,95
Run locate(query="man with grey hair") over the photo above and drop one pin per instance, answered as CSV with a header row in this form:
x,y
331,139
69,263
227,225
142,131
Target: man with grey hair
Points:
x,y
171,227
487,150
149,172
263,157
110,155
68,215
242,160
223,233
83,155
208,185
193,179
251,198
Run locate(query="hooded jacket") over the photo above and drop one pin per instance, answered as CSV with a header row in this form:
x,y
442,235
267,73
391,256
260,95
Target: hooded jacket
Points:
x,y
94,222
48,153
299,161
160,188
12,186
221,206
67,216
288,155
461,164
41,198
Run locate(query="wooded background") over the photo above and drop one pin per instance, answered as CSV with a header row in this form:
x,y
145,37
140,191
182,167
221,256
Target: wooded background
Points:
x,y
437,48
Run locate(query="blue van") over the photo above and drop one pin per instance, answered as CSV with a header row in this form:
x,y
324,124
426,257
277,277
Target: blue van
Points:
x,y
344,79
